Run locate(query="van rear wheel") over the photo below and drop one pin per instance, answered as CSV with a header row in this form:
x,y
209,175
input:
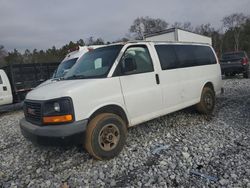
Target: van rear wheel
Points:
x,y
105,136
207,102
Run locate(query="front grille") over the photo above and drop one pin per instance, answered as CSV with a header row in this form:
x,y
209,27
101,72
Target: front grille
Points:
x,y
33,112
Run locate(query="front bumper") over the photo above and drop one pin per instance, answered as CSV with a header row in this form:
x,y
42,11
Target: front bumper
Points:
x,y
65,134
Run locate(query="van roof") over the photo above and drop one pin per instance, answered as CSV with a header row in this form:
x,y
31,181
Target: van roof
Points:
x,y
158,42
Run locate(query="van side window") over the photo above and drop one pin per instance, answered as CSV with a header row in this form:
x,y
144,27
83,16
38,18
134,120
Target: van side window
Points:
x,y
204,55
141,57
1,81
185,54
167,56
194,55
181,56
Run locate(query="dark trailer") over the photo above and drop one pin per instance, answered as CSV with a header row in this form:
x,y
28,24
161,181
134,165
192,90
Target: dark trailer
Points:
x,y
25,77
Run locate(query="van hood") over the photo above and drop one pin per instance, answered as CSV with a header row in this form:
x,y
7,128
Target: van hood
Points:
x,y
46,83
63,88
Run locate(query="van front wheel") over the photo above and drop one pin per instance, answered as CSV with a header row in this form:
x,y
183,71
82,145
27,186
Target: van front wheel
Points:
x,y
207,102
105,136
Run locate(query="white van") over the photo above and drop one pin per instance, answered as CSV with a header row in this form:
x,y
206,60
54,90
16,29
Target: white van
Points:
x,y
119,86
5,89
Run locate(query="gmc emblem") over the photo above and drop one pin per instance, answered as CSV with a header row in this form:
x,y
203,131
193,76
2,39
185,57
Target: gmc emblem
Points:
x,y
31,111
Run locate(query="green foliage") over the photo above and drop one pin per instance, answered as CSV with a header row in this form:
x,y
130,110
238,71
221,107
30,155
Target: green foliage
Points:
x,y
3,54
234,23
245,37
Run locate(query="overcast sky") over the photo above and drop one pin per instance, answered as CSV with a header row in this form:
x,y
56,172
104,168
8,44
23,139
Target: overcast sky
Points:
x,y
30,24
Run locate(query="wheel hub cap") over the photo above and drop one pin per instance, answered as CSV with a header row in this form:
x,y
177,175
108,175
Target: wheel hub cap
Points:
x,y
208,101
109,137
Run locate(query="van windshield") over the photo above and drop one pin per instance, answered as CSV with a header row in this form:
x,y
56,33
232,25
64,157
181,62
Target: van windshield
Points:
x,y
94,64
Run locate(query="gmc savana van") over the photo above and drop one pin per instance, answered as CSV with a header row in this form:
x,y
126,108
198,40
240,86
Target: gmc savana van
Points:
x,y
119,86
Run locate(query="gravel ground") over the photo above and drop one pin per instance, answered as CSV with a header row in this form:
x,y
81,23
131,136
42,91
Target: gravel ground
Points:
x,y
165,152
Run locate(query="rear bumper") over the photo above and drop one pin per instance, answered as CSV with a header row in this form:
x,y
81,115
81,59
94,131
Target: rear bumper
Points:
x,y
66,134
233,68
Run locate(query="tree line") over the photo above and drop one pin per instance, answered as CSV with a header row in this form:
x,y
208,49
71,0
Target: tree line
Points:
x,y
233,35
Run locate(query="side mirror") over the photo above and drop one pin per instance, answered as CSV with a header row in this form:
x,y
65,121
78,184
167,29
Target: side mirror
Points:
x,y
128,65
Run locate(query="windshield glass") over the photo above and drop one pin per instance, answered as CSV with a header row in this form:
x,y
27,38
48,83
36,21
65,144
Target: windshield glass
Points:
x,y
237,55
95,64
64,67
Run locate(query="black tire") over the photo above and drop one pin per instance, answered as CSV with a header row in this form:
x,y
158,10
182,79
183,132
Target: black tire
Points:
x,y
207,102
105,136
227,74
246,74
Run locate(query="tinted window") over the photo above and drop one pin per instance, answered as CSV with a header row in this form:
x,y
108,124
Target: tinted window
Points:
x,y
185,54
180,56
167,56
141,57
235,55
204,55
1,81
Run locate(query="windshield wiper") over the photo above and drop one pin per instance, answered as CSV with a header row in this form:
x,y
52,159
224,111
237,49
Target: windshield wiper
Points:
x,y
58,79
75,77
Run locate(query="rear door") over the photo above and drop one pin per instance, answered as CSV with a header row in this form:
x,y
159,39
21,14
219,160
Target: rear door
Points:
x,y
141,91
5,89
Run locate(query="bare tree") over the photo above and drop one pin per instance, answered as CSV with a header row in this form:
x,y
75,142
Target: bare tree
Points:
x,y
147,25
205,29
177,25
186,25
93,41
234,23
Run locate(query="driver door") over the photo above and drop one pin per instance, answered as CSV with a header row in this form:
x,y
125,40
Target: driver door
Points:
x,y
140,88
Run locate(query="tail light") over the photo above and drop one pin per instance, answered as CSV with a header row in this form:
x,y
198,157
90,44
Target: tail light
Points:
x,y
244,61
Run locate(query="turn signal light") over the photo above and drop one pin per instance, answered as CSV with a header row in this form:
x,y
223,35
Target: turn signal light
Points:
x,y
58,119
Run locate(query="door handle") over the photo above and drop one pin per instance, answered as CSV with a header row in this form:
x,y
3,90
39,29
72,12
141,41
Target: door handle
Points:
x,y
157,79
4,88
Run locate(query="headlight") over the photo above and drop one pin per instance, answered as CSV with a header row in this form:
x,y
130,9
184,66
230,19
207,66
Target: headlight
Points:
x,y
58,111
57,107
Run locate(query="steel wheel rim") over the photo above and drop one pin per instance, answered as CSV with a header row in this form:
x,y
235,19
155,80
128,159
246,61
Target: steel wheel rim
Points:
x,y
109,137
208,100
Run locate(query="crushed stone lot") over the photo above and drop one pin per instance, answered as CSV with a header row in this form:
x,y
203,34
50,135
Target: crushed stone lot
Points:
x,y
182,149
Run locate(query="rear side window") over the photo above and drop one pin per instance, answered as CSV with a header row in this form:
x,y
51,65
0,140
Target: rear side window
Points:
x,y
1,81
167,56
185,54
181,56
204,55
